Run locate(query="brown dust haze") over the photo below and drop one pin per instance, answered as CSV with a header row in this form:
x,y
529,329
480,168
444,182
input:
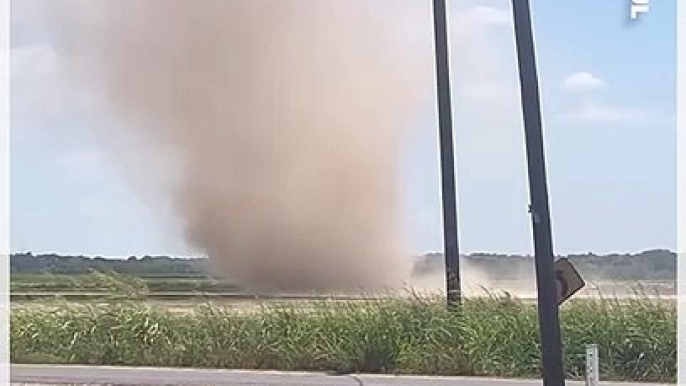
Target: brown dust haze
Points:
x,y
282,120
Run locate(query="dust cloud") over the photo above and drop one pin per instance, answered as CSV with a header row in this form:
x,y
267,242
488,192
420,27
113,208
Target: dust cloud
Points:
x,y
281,121
475,281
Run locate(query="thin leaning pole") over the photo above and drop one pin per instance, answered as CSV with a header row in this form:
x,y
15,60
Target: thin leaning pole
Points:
x,y
551,343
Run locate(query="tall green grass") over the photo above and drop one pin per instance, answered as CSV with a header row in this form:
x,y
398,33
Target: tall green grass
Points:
x,y
497,336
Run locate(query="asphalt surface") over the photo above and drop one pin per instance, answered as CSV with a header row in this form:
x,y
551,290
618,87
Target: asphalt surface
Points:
x,y
78,375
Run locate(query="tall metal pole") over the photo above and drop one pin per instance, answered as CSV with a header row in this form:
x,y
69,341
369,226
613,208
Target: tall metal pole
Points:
x,y
551,342
451,249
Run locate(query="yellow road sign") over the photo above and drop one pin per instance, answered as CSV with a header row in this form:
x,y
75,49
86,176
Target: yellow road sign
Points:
x,y
568,280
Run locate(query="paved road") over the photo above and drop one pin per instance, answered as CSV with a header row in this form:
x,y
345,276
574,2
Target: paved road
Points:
x,y
53,375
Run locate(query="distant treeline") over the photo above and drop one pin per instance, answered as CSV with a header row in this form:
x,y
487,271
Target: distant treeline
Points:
x,y
146,266
648,265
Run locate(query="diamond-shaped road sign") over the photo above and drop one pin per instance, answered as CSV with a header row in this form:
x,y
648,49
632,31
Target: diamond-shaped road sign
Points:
x,y
568,280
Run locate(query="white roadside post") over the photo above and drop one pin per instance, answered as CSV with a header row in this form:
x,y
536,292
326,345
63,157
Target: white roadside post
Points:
x,y
592,365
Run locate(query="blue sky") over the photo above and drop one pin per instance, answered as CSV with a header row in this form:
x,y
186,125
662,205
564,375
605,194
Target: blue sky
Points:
x,y
609,99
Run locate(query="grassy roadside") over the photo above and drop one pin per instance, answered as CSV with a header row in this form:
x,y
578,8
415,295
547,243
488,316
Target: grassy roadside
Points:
x,y
492,337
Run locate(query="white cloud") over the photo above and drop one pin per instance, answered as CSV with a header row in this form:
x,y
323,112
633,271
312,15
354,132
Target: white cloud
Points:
x,y
590,111
595,113
489,16
583,81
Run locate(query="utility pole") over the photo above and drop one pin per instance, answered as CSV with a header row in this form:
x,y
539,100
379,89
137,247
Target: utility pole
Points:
x,y
551,342
450,238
